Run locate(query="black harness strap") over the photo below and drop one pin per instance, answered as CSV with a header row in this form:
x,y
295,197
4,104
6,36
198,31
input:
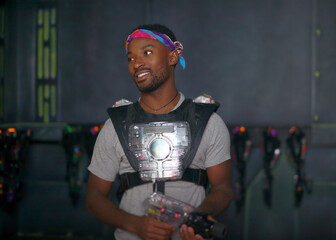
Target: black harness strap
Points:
x,y
159,186
197,176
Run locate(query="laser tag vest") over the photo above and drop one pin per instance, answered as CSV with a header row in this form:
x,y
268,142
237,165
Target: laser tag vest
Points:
x,y
161,147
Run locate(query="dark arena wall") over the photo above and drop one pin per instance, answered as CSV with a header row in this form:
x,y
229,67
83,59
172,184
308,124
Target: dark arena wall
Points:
x,y
270,64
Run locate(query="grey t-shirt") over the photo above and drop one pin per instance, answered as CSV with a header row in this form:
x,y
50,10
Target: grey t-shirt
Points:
x,y
109,160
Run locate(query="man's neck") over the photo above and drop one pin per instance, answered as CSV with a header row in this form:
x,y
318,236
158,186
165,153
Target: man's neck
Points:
x,y
159,102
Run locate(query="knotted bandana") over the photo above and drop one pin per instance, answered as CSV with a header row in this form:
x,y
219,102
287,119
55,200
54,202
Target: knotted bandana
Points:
x,y
144,33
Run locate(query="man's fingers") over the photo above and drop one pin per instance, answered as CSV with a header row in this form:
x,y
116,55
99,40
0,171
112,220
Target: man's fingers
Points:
x,y
159,230
161,225
152,228
188,233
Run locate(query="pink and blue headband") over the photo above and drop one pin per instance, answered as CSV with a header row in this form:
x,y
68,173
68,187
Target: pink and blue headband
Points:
x,y
144,33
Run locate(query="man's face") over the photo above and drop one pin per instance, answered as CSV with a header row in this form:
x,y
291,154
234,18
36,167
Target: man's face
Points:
x,y
148,63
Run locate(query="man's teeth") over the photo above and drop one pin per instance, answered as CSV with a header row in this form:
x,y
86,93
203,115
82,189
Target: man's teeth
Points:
x,y
142,74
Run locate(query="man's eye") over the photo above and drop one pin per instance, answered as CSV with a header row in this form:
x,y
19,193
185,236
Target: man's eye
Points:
x,y
148,52
130,59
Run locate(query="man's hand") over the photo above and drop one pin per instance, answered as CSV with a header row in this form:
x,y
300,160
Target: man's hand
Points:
x,y
150,228
187,233
107,211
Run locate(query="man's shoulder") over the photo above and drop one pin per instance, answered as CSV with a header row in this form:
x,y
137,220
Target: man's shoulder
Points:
x,y
215,119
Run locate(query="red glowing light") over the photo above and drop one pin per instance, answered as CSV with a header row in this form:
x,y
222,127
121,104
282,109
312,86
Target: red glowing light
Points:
x,y
148,165
176,215
162,210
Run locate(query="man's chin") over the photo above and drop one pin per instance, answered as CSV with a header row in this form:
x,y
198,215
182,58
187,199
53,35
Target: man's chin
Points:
x,y
151,85
146,89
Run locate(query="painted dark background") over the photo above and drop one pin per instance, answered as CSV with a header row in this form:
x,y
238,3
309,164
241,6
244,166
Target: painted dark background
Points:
x,y
266,62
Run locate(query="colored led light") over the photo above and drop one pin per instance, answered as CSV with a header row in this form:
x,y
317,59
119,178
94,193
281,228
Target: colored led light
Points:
x,y
291,130
235,130
93,131
69,129
12,130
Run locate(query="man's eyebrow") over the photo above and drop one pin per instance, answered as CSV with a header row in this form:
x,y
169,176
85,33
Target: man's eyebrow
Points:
x,y
143,47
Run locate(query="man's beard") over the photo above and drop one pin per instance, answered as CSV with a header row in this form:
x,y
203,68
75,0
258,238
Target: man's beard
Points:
x,y
157,81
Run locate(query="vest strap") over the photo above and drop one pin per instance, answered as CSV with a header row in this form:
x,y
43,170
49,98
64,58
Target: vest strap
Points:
x,y
130,180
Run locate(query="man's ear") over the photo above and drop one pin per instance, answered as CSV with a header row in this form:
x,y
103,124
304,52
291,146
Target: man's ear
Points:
x,y
173,57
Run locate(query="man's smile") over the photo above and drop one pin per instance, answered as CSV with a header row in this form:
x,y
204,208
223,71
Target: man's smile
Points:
x,y
141,75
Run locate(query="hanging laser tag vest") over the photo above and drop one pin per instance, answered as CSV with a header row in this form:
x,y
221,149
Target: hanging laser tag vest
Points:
x,y
161,147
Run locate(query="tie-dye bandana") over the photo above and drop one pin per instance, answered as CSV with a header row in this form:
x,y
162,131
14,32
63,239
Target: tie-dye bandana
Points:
x,y
144,33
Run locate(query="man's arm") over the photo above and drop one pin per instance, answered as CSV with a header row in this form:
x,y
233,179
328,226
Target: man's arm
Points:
x,y
221,194
104,209
219,198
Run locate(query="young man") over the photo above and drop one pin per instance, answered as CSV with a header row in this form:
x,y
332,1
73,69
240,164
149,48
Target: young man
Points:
x,y
153,53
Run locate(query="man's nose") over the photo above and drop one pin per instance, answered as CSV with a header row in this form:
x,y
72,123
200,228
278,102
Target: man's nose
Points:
x,y
138,62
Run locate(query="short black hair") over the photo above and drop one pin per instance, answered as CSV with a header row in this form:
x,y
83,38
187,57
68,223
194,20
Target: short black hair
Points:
x,y
157,28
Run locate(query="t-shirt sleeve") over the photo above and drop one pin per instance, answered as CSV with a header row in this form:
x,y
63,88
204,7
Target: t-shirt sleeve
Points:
x,y
217,135
105,160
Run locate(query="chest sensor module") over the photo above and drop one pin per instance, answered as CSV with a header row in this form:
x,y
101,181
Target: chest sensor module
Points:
x,y
159,148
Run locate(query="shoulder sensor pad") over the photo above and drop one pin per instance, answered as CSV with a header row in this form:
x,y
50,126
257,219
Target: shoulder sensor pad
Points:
x,y
204,98
121,102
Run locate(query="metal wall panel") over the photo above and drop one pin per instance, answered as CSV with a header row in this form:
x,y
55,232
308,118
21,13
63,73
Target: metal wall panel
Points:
x,y
325,47
253,57
93,64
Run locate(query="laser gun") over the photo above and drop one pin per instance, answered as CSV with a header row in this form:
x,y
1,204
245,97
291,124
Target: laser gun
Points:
x,y
176,213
